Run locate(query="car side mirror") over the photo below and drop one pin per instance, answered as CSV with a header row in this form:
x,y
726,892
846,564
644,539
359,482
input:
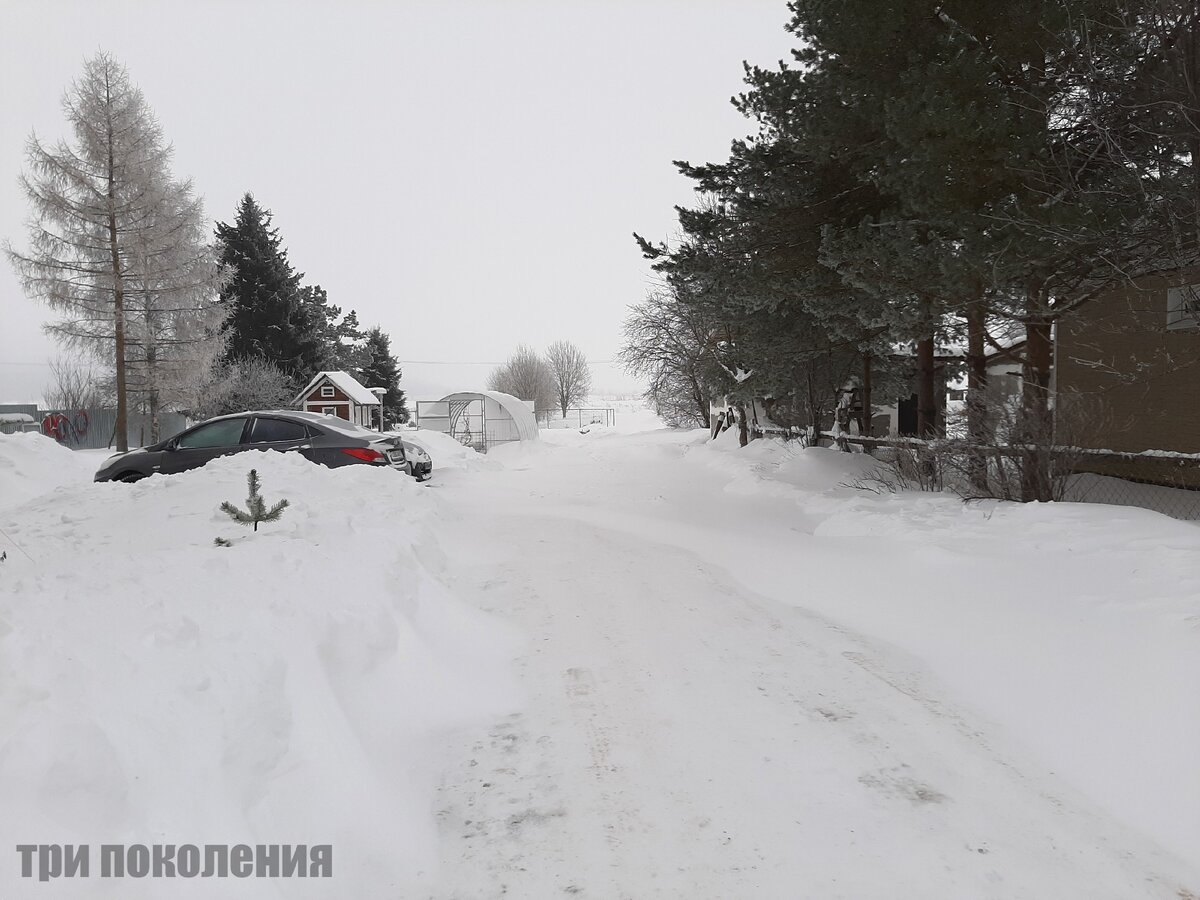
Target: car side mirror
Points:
x,y
172,444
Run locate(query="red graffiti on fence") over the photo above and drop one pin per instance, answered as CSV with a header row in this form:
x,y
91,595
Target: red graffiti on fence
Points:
x,y
66,429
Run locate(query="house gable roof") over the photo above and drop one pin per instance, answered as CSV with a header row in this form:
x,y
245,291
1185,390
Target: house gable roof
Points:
x,y
344,382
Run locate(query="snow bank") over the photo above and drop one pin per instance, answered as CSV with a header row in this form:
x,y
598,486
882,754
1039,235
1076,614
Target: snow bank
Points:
x,y
1073,626
520,454
31,464
444,450
292,688
766,466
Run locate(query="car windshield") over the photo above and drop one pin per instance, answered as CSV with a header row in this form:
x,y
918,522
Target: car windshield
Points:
x,y
224,433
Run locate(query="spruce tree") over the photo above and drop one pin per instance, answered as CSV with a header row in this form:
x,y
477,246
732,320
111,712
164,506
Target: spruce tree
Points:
x,y
256,507
268,318
382,370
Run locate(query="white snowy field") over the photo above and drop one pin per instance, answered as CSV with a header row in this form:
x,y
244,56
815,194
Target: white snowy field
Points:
x,y
622,664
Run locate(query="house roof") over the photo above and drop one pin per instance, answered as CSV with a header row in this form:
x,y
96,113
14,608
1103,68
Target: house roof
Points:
x,y
344,382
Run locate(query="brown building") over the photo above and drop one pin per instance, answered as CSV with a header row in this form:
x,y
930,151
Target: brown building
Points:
x,y
1127,376
1129,361
340,394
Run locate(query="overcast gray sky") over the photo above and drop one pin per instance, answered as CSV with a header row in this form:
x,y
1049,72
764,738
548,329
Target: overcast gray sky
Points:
x,y
465,174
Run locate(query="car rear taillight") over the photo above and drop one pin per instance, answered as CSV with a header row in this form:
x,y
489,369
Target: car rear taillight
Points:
x,y
366,454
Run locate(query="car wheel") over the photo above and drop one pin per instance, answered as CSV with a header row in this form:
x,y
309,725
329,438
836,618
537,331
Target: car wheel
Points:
x,y
130,477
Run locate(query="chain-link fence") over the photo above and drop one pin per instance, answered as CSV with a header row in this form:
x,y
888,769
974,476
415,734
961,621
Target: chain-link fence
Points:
x,y
577,418
1168,483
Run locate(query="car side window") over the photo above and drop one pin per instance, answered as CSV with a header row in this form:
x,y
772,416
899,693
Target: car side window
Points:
x,y
269,431
226,433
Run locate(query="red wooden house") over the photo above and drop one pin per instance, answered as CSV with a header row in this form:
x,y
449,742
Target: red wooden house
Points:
x,y
340,394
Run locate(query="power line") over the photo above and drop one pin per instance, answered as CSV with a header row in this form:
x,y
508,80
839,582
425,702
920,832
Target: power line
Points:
x,y
450,362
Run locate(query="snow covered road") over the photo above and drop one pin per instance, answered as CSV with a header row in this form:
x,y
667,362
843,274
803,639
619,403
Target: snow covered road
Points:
x,y
629,663
696,727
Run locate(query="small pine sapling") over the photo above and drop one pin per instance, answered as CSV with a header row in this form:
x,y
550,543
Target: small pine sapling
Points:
x,y
256,510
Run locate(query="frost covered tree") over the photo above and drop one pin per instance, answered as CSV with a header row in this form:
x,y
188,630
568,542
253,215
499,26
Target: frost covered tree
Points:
x,y
243,384
174,335
527,377
114,247
569,373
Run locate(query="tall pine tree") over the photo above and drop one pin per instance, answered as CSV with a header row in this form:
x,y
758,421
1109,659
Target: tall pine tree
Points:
x,y
923,169
343,340
382,370
268,318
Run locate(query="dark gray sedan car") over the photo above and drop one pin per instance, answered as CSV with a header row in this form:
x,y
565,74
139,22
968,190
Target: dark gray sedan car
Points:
x,y
327,440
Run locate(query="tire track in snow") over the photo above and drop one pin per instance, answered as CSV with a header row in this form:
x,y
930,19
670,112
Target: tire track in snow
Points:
x,y
696,739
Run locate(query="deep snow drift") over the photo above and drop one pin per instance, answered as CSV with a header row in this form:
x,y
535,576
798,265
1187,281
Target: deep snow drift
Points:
x,y
621,662
155,688
32,466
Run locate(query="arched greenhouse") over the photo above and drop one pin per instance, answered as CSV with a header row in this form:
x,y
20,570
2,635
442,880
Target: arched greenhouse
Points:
x,y
479,419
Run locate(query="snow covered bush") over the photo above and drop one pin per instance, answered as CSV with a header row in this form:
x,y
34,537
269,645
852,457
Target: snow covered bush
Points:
x,y
1022,461
243,384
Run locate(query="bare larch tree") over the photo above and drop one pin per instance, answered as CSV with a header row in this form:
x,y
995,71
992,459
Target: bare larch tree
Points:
x,y
114,242
173,320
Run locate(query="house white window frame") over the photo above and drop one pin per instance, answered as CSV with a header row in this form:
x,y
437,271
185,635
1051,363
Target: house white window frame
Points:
x,y
1183,311
329,410
327,392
